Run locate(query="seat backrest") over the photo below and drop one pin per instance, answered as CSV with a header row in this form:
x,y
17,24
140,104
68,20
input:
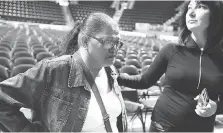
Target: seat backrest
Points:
x,y
120,56
144,57
129,69
147,62
118,63
52,47
132,56
134,62
2,48
20,49
3,73
38,50
5,62
6,45
21,54
37,47
20,69
24,60
4,54
43,55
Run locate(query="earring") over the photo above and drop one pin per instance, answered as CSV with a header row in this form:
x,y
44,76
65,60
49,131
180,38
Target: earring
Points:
x,y
85,45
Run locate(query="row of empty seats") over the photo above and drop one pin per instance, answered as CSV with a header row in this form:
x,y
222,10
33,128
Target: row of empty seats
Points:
x,y
32,11
19,52
81,11
153,12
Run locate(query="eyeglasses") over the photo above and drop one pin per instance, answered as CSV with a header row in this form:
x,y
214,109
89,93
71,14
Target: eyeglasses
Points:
x,y
109,44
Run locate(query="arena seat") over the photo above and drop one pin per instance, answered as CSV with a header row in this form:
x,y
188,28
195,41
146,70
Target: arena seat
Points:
x,y
4,74
133,62
20,69
144,57
20,49
42,55
121,57
132,56
6,45
24,60
2,48
4,54
146,62
38,50
21,54
129,69
5,62
118,64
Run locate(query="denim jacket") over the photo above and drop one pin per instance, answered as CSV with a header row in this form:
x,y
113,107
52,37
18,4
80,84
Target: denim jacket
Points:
x,y
58,91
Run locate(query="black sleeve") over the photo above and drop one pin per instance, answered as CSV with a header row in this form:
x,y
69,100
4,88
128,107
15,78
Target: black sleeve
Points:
x,y
153,73
220,104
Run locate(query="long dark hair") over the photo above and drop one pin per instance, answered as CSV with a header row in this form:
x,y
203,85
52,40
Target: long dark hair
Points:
x,y
215,29
70,43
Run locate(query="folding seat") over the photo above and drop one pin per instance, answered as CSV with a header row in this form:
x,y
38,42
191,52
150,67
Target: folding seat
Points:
x,y
21,45
47,45
52,47
20,69
146,62
129,69
132,56
121,52
2,48
7,45
4,54
38,50
133,62
142,52
37,47
121,57
132,51
118,64
5,62
21,54
42,55
144,57
4,74
18,49
24,60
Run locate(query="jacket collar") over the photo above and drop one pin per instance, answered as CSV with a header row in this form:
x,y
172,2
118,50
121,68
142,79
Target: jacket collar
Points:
x,y
209,48
76,75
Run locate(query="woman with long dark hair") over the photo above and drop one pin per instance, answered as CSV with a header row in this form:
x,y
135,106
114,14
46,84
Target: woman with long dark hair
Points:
x,y
193,85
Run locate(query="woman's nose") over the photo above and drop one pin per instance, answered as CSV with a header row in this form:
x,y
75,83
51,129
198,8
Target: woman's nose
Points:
x,y
192,14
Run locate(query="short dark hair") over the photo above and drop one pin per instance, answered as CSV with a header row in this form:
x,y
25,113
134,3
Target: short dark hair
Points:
x,y
215,28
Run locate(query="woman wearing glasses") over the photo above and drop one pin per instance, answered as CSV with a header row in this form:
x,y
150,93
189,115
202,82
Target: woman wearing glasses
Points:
x,y
64,91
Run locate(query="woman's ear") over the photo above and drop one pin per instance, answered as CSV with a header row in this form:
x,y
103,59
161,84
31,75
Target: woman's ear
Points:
x,y
85,45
